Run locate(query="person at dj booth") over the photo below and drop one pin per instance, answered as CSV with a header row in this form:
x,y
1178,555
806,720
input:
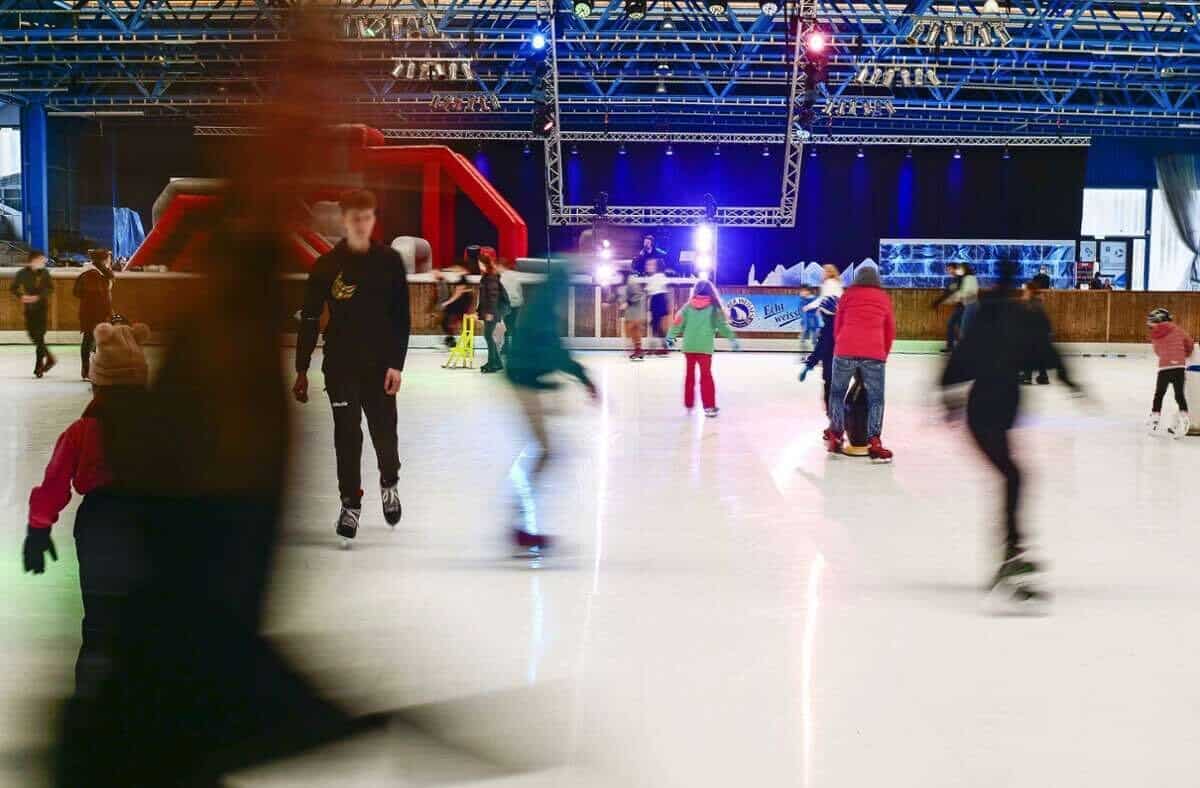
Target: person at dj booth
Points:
x,y
649,251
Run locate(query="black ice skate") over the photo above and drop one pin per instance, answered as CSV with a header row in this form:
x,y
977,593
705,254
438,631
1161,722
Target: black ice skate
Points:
x,y
347,523
1017,588
391,503
530,546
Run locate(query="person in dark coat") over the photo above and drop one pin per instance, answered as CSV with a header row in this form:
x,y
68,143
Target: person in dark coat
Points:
x,y
823,353
1005,338
493,306
33,286
93,288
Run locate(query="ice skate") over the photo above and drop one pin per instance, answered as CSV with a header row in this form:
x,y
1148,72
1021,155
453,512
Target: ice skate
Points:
x,y
877,452
391,503
49,364
1152,423
833,441
530,546
1017,589
347,524
637,355
711,412
1181,427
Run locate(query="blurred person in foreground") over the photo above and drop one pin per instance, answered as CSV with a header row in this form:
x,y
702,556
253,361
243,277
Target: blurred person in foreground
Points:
x,y
537,352
195,692
365,286
33,286
1006,337
93,287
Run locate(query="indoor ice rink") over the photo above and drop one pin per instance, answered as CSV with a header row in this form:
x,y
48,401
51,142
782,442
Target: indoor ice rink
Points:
x,y
731,605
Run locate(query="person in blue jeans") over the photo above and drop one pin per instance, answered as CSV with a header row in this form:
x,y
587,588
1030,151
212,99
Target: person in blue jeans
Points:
x,y
864,330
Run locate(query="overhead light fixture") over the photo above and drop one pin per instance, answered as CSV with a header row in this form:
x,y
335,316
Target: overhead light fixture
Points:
x,y
766,151
908,153
1187,125
816,43
670,149
968,34
985,35
1007,153
876,75
861,153
718,7
889,77
1002,33
863,75
768,7
582,8
574,149
935,30
661,87
991,7
906,77
932,78
527,150
948,32
538,41
668,24
958,153
621,150
635,9
664,69
914,33
812,151
717,150
398,69
919,77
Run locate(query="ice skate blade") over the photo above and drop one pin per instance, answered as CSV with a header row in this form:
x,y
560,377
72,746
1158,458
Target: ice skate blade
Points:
x,y
881,460
1000,602
344,543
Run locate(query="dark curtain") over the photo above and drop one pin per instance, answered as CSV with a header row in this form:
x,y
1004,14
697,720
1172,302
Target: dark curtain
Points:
x,y
1179,179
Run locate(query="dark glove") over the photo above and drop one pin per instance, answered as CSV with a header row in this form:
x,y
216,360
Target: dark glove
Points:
x,y
803,374
37,544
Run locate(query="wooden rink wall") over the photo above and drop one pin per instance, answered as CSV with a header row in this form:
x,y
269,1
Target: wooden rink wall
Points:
x,y
1077,316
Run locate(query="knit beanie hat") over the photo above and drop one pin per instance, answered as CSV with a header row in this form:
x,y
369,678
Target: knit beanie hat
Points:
x,y
119,359
867,275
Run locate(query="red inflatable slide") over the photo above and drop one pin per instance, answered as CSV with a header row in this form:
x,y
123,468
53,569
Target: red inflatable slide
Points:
x,y
186,209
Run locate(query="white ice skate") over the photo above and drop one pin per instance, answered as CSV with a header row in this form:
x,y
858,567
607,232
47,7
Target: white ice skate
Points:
x,y
1152,424
1181,427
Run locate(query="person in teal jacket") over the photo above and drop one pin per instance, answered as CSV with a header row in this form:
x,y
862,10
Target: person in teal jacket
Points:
x,y
699,322
535,356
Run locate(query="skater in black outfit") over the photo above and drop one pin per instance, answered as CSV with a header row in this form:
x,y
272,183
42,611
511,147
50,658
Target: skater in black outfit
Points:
x,y
1037,314
366,342
1005,338
493,306
33,286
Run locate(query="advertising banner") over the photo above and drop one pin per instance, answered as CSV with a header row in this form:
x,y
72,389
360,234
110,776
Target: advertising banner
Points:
x,y
765,312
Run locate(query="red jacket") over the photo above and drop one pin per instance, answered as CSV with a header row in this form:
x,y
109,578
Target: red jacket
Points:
x,y
78,457
1171,344
865,326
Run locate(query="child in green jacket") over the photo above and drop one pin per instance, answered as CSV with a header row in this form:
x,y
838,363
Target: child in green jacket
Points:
x,y
699,322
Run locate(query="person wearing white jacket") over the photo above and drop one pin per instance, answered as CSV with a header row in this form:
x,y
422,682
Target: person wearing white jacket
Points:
x,y
831,286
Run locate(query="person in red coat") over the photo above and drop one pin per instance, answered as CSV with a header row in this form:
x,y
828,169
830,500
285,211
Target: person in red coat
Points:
x,y
863,331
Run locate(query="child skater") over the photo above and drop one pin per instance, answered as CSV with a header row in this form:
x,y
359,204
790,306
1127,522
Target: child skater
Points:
x,y
823,353
631,300
536,352
659,291
33,286
699,322
810,320
106,539
1172,345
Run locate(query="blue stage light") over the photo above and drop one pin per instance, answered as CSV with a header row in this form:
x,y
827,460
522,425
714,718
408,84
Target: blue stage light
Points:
x,y
538,42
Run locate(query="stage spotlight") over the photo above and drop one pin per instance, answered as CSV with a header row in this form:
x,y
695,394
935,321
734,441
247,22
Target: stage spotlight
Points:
x,y
766,151
1002,35
702,275
621,150
935,30
876,75
908,153
538,42
527,151
816,43
914,35
661,87
919,77
670,149
703,239
635,9
932,78
812,151
398,69
889,77
1007,153
861,153
582,8
704,264
985,36
718,7
968,34
604,274
606,244
717,150
668,24
957,153
768,7
906,77
863,75
991,7
948,29
606,253
574,149
543,121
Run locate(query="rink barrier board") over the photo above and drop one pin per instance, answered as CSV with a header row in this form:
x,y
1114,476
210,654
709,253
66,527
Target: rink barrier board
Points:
x,y
1077,316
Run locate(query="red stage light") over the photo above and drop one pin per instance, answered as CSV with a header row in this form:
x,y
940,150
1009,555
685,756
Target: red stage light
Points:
x,y
816,42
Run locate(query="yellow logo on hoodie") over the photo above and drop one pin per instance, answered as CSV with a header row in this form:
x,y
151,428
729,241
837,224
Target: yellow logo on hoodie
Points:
x,y
340,290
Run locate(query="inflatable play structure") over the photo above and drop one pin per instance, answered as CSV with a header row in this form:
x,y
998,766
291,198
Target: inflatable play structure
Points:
x,y
409,181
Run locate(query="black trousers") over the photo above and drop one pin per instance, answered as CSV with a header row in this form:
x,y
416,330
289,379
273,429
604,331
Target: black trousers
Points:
x,y
353,394
993,442
493,351
953,325
1170,377
510,325
86,346
109,546
35,325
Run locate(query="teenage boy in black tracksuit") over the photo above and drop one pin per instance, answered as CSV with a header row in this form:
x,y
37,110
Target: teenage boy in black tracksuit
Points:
x,y
33,286
366,341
